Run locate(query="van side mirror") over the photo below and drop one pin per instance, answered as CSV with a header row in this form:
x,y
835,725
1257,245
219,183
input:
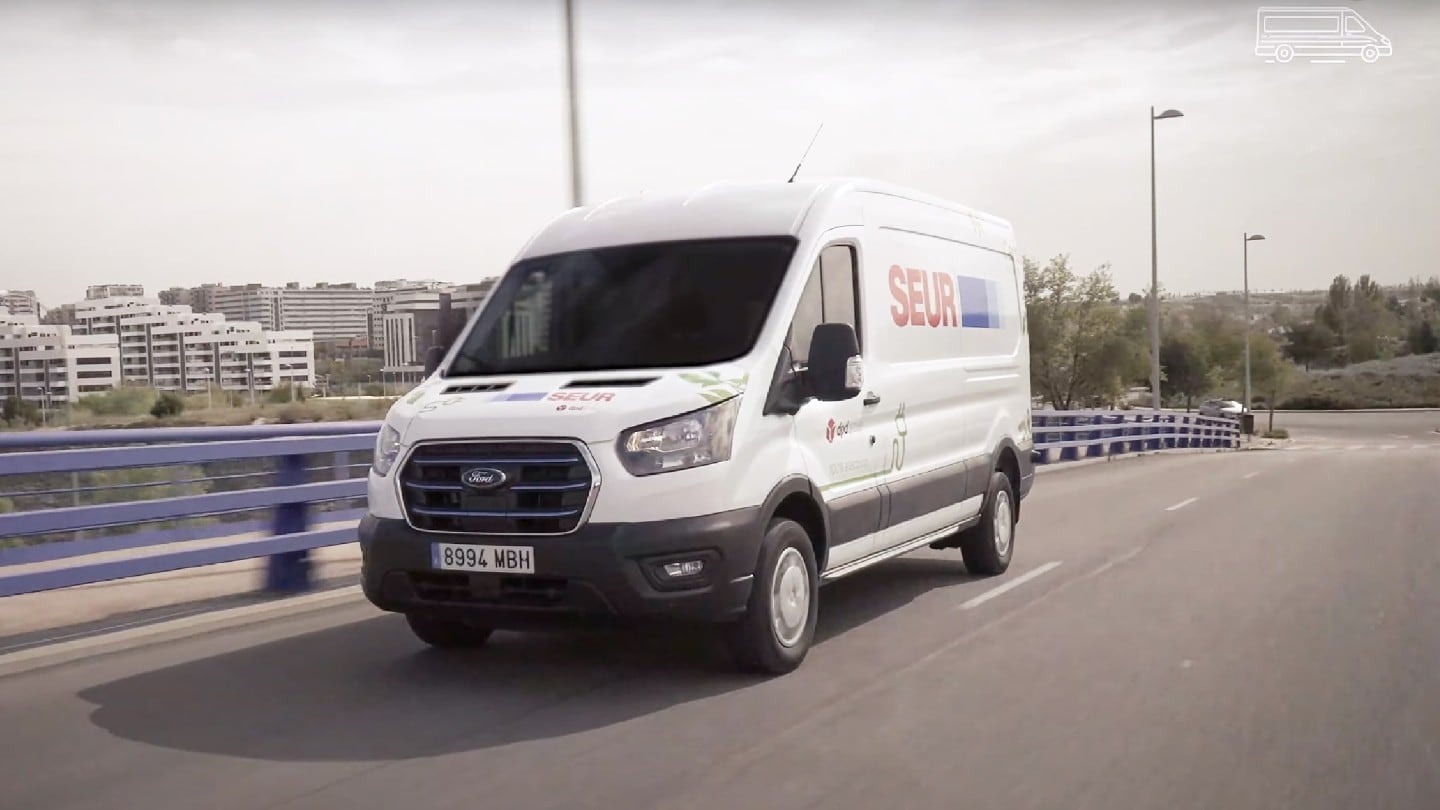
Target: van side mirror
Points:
x,y
836,372
434,356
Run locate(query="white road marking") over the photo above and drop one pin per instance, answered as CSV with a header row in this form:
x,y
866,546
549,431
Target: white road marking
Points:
x,y
1357,447
1009,586
1248,476
1418,446
1181,505
1388,447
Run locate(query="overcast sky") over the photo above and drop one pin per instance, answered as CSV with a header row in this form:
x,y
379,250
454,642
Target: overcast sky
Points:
x,y
171,143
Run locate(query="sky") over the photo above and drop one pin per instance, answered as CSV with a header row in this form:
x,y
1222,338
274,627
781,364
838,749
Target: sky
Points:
x,y
172,143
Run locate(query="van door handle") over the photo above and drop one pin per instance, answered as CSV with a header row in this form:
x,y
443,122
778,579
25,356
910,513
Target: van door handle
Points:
x,y
871,398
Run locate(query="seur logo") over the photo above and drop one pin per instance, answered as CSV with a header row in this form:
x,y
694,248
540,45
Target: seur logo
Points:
x,y
482,478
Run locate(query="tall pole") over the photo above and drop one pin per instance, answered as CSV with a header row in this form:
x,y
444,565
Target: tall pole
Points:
x,y
575,185
1246,264
1154,280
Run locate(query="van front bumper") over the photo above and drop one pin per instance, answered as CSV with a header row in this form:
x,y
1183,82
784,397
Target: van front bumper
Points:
x,y
601,573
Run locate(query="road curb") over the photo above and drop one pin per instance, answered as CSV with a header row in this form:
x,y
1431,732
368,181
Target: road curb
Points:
x,y
63,652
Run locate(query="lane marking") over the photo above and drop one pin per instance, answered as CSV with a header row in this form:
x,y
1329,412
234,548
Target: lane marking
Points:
x,y
977,601
1418,446
1357,447
1181,505
1398,436
1387,447
1248,476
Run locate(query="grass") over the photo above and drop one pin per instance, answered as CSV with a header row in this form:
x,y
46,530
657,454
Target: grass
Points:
x,y
1277,433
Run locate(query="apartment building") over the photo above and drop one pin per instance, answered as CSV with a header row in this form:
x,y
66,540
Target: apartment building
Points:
x,y
253,302
99,291
50,364
414,320
19,302
171,347
332,312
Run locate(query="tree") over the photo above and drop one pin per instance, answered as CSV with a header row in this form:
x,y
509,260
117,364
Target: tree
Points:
x,y
1270,372
1187,369
1078,350
1310,343
1423,339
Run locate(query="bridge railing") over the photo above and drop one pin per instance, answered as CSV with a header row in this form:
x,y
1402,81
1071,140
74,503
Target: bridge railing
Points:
x,y
1073,435
78,507
187,497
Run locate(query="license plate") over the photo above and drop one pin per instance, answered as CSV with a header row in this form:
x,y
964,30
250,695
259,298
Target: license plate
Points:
x,y
494,559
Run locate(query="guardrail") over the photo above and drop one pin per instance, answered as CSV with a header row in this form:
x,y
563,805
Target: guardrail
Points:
x,y
1072,435
98,494
125,490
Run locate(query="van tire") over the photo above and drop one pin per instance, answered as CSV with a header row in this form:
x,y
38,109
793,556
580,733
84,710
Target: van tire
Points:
x,y
988,547
447,633
787,557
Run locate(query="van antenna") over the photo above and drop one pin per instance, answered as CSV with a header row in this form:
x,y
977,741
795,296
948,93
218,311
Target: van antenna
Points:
x,y
807,153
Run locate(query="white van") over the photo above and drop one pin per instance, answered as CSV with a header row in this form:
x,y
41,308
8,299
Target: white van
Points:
x,y
702,407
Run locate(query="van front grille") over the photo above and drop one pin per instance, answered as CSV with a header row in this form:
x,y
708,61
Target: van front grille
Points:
x,y
514,487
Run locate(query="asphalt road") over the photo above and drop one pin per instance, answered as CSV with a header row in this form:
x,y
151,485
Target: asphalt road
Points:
x,y
1392,427
1246,630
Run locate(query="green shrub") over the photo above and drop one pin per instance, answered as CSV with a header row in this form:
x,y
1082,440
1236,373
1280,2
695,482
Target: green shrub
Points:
x,y
1277,433
127,401
169,404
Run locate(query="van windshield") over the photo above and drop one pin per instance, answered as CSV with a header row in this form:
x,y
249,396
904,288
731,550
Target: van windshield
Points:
x,y
652,305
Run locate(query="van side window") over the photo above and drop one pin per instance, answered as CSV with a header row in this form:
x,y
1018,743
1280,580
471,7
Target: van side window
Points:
x,y
829,297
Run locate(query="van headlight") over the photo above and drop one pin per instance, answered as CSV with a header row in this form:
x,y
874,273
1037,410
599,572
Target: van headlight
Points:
x,y
681,442
387,449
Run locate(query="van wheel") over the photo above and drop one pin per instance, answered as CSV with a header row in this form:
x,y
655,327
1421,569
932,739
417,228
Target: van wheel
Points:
x,y
447,633
987,548
778,627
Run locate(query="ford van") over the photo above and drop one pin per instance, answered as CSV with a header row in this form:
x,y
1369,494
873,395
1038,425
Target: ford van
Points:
x,y
703,407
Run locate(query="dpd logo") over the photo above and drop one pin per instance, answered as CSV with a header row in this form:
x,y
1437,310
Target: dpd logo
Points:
x,y
836,430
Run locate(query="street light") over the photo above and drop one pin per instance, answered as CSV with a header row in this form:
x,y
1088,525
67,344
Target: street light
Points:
x,y
575,186
1249,237
1155,267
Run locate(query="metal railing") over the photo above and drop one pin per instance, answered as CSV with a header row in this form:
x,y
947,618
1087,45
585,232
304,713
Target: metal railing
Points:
x,y
194,491
76,506
1073,435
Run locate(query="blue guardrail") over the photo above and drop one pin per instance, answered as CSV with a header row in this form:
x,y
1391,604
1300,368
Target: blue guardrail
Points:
x,y
189,496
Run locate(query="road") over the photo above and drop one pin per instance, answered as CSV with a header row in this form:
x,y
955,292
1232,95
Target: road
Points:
x,y
1244,630
1352,429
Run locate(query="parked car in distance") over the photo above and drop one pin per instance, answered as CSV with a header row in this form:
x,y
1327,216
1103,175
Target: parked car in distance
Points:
x,y
1221,407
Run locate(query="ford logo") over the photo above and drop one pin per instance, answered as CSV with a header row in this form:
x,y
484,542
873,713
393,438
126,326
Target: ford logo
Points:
x,y
482,478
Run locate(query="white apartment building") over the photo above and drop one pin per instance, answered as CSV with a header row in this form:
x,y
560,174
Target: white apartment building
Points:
x,y
19,302
49,364
97,291
248,303
169,347
329,311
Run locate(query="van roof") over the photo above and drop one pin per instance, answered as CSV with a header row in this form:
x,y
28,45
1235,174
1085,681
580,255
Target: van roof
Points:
x,y
724,209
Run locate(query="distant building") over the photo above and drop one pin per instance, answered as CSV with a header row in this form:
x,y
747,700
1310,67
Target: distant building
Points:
x,y
98,291
170,347
252,302
19,302
414,320
48,364
333,312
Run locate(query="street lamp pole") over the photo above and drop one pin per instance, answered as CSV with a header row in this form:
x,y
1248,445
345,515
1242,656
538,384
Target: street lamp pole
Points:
x,y
1248,239
1155,267
574,112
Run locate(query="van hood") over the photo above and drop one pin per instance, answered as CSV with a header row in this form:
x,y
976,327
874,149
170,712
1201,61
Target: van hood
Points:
x,y
590,406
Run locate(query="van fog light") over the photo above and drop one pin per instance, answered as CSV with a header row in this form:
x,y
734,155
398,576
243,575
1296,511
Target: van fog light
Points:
x,y
684,569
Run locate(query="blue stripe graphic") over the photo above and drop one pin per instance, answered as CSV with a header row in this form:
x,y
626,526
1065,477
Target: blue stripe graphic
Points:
x,y
528,396
979,302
